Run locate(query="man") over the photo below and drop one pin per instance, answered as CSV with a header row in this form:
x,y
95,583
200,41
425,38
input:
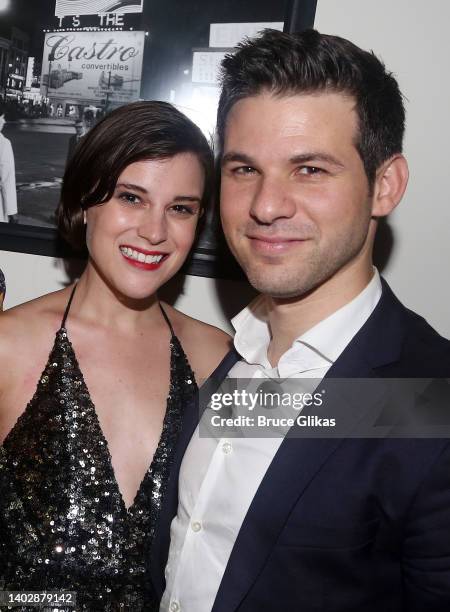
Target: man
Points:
x,y
80,131
310,130
8,195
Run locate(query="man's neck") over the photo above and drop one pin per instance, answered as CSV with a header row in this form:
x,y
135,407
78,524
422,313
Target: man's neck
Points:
x,y
291,318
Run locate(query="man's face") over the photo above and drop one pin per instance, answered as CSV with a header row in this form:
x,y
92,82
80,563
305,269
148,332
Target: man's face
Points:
x,y
295,203
2,122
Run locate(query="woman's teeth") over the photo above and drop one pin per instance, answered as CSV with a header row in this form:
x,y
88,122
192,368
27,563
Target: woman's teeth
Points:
x,y
137,256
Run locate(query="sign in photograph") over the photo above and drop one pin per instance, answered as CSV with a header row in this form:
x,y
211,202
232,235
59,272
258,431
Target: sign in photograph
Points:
x,y
93,66
93,7
206,65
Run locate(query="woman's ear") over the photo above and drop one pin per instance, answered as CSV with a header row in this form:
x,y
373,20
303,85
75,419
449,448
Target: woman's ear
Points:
x,y
390,184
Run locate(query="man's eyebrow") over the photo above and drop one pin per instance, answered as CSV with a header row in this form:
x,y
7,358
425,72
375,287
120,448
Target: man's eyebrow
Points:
x,y
301,158
237,156
316,156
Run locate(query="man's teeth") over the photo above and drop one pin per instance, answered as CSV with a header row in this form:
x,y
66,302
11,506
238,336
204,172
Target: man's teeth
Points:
x,y
137,256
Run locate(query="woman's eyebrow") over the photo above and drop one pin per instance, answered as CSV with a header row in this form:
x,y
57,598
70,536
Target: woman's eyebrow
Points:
x,y
131,186
188,198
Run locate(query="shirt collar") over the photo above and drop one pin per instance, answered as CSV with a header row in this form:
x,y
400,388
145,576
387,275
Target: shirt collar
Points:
x,y
252,332
319,347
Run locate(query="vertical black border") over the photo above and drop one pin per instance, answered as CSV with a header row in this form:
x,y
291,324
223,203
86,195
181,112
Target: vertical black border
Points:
x,y
300,15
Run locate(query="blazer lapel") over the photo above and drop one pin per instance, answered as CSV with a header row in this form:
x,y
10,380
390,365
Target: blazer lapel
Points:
x,y
304,457
161,542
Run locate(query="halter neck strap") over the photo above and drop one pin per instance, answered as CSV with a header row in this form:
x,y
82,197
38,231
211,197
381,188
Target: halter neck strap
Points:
x,y
69,303
66,312
167,320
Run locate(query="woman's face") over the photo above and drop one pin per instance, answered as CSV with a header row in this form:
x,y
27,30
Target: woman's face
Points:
x,y
139,238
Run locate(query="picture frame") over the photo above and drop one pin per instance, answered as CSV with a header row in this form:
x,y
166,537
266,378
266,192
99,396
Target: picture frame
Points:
x,y
210,257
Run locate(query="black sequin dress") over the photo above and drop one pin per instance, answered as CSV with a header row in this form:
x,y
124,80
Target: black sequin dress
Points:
x,y
63,521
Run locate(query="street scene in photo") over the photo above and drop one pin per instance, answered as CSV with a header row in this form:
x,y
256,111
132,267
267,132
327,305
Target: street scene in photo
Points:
x,y
65,64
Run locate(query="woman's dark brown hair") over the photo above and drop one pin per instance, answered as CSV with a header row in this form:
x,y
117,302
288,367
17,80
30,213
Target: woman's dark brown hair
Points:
x,y
131,133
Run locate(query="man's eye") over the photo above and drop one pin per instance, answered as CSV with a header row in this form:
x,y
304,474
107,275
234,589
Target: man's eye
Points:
x,y
243,170
129,198
310,170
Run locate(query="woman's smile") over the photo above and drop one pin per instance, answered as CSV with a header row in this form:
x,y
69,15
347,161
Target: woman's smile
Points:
x,y
143,259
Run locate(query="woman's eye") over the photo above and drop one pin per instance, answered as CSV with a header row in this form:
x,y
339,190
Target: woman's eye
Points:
x,y
182,209
129,198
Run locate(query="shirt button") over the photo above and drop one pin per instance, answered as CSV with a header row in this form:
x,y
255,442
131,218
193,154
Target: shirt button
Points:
x,y
174,606
227,448
196,526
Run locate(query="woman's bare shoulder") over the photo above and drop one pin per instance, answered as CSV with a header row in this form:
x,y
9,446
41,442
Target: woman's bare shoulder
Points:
x,y
28,321
26,337
204,344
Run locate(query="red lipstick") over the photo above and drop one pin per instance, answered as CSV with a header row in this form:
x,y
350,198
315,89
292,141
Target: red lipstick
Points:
x,y
142,258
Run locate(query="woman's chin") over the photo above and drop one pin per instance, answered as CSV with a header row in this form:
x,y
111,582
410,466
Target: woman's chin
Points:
x,y
137,294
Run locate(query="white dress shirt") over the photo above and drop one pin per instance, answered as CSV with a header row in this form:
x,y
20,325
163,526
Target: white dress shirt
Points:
x,y
219,477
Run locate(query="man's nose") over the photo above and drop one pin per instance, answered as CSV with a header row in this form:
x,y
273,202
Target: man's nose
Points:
x,y
272,200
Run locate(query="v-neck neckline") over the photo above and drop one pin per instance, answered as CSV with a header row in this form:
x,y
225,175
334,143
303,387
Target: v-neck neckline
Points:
x,y
63,336
128,510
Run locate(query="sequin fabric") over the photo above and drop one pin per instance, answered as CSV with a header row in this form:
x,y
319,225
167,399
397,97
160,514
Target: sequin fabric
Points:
x,y
63,522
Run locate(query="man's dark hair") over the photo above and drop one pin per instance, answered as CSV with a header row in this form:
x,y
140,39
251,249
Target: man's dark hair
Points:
x,y
310,62
131,133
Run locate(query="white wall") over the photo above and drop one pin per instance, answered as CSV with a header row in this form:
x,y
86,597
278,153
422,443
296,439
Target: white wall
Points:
x,y
213,301
28,276
411,37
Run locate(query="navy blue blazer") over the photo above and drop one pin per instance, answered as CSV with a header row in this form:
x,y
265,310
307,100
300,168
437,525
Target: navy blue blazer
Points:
x,y
343,525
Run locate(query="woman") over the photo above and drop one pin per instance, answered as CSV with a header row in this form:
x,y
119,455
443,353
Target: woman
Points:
x,y
78,500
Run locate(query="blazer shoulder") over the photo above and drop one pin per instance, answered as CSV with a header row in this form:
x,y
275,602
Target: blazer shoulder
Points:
x,y
421,352
425,347
419,328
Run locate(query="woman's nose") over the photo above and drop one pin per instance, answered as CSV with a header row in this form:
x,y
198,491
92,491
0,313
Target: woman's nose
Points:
x,y
153,227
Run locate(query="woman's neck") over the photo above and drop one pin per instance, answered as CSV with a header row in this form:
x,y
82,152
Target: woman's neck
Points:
x,y
96,300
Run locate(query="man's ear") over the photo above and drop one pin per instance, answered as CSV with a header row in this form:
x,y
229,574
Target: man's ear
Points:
x,y
390,184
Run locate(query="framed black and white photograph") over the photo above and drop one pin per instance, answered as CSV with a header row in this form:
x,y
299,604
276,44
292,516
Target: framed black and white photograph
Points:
x,y
64,64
